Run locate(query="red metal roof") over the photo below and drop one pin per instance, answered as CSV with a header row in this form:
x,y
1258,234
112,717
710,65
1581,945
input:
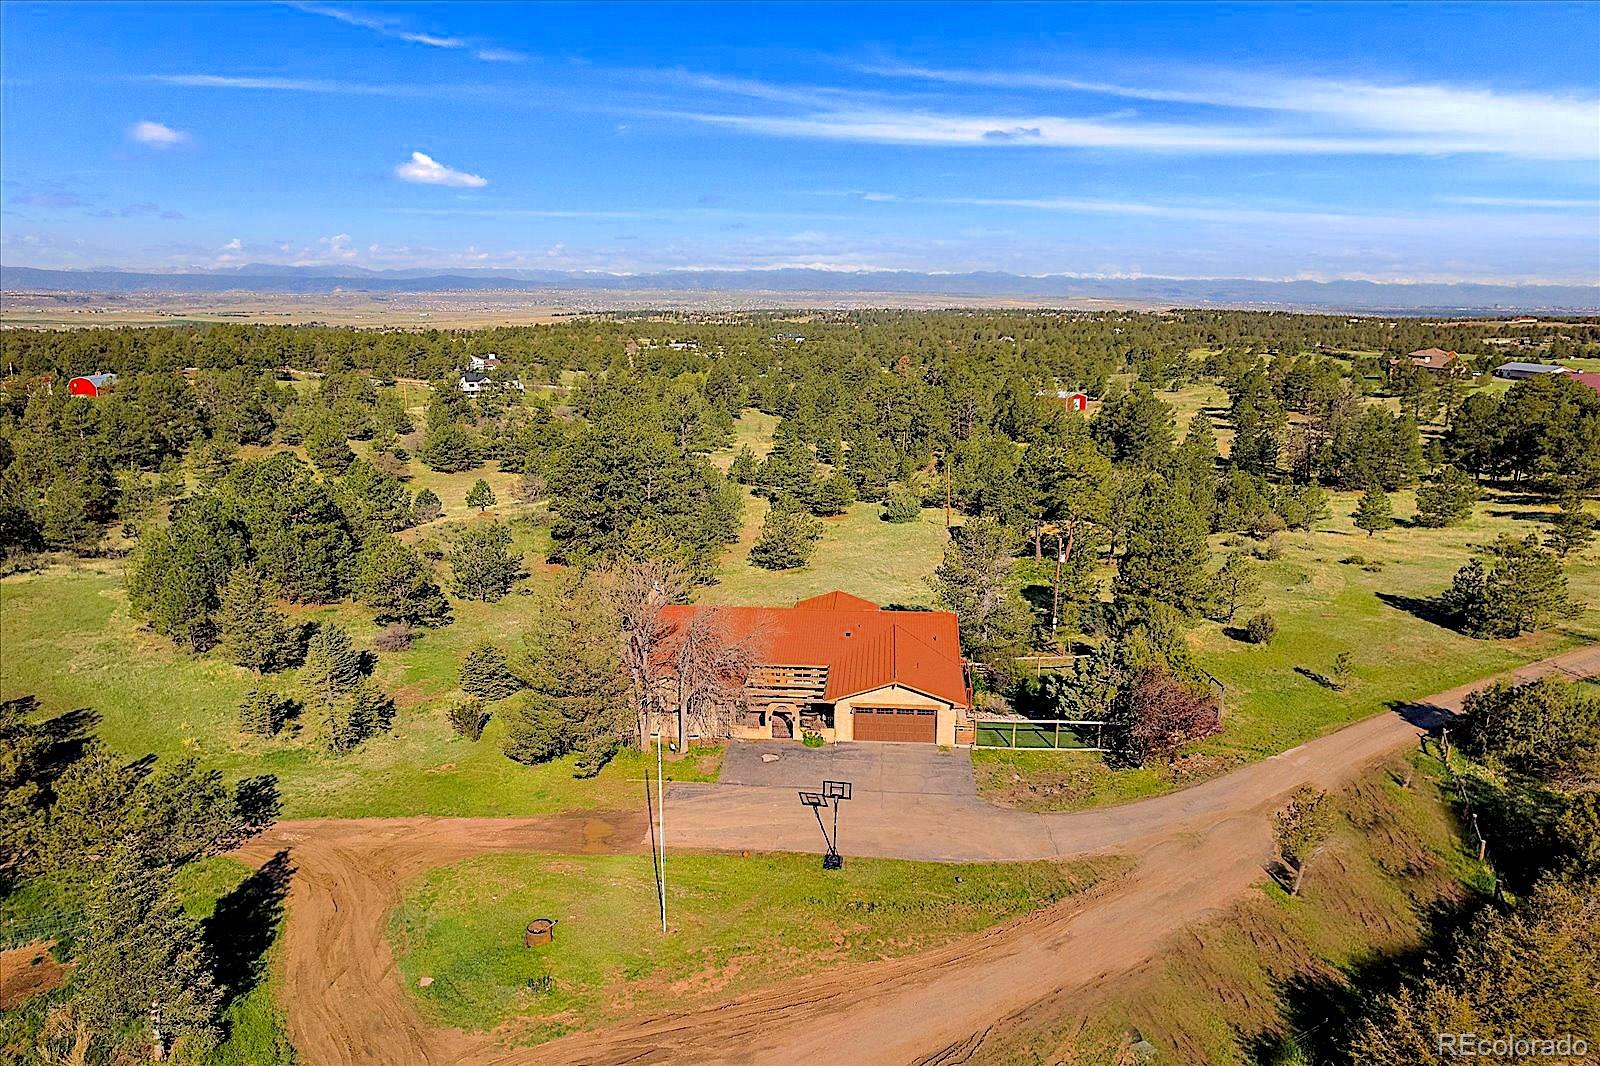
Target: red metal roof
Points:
x,y
836,601
863,647
1588,378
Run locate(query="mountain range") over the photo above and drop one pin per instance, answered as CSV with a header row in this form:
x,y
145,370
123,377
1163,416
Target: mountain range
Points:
x,y
1338,295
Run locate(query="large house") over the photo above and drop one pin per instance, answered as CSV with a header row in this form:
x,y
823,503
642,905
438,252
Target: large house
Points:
x,y
1436,360
844,668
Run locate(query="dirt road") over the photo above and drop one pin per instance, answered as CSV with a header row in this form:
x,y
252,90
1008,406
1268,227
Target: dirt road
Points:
x,y
1198,851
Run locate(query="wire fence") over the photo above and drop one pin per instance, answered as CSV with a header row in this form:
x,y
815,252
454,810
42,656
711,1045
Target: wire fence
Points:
x,y
1039,734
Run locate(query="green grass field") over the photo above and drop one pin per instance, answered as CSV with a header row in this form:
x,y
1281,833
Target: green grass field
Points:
x,y
68,640
736,924
1276,695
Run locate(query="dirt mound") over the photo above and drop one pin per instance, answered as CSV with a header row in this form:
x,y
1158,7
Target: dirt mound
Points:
x,y
27,972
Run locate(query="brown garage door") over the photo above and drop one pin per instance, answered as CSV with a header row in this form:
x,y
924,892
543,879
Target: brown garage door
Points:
x,y
913,725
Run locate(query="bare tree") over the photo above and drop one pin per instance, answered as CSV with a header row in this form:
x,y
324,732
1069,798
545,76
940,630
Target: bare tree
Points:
x,y
643,589
710,665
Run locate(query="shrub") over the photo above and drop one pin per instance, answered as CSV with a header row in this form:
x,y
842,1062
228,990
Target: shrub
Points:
x,y
467,717
902,506
263,712
486,673
1261,628
397,637
812,739
426,507
1267,550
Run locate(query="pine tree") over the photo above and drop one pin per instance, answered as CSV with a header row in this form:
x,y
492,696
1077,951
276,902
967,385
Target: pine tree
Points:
x,y
903,505
328,448
974,580
398,584
577,684
427,506
1237,586
143,978
448,449
262,712
481,496
482,564
252,632
486,673
1446,500
1166,561
332,666
790,469
833,496
1301,828
744,468
1374,513
788,538
1572,528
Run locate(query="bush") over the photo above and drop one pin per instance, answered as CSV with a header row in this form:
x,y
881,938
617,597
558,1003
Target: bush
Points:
x,y
486,673
467,717
263,712
1267,551
1261,628
902,506
812,739
397,637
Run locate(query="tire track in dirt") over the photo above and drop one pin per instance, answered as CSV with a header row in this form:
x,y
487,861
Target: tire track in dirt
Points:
x,y
1198,851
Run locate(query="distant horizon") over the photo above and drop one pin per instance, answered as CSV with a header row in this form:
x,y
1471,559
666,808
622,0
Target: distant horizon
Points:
x,y
1425,144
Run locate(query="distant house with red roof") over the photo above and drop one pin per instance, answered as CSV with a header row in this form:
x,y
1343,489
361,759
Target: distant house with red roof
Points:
x,y
1588,378
849,670
1436,360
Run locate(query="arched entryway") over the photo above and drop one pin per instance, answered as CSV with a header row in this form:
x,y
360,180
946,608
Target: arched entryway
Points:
x,y
782,725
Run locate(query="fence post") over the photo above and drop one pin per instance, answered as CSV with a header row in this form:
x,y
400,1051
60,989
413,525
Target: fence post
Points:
x,y
1056,743
1013,735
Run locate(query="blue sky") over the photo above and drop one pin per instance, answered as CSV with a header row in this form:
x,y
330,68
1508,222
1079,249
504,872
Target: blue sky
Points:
x,y
1427,142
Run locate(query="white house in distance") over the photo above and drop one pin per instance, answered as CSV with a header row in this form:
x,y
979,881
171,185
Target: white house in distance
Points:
x,y
477,377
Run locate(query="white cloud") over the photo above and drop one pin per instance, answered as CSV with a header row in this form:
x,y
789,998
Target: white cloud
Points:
x,y
425,170
398,31
156,135
1539,125
1535,203
235,245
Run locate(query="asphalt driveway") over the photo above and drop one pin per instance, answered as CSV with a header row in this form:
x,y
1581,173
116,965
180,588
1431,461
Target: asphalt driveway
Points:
x,y
920,769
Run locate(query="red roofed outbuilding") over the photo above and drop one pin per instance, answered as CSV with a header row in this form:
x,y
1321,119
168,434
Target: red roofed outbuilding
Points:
x,y
91,384
847,669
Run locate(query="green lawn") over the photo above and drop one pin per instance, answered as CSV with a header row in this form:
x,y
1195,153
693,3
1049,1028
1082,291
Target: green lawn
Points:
x,y
859,552
1274,699
70,642
736,924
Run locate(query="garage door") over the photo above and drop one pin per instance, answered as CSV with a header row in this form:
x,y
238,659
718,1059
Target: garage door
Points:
x,y
912,725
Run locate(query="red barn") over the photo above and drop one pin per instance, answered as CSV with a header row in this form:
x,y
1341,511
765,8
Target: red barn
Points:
x,y
91,384
1071,399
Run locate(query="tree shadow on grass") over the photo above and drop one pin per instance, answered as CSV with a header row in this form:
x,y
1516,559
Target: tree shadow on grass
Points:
x,y
244,925
1423,607
1541,517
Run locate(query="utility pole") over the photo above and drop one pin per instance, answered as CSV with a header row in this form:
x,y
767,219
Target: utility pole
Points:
x,y
944,459
661,831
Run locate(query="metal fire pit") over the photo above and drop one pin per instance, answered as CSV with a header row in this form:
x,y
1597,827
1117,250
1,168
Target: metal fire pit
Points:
x,y
539,931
